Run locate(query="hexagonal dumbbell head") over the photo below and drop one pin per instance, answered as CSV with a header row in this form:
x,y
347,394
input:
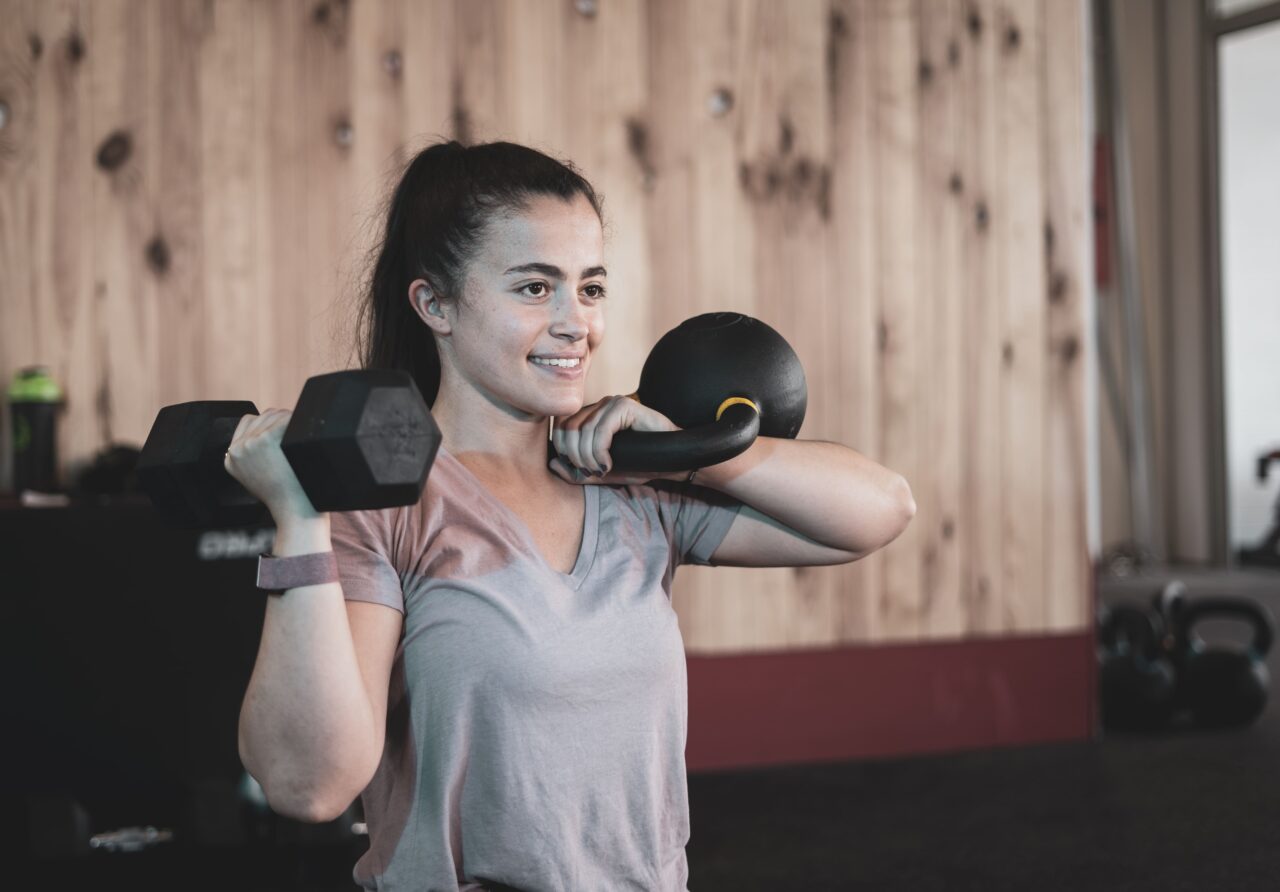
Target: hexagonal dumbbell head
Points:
x,y
361,439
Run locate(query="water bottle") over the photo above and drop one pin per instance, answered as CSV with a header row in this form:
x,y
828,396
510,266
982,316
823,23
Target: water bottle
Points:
x,y
34,401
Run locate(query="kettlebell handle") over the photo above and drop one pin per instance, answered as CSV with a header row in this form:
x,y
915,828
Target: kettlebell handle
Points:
x,y
1128,629
1226,606
735,429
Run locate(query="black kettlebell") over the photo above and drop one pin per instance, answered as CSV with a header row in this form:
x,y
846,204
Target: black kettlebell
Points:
x,y
1137,679
725,379
1223,687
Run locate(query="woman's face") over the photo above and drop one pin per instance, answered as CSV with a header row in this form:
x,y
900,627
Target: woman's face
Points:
x,y
536,288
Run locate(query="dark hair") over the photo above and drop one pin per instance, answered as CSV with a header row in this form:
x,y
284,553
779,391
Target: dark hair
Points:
x,y
436,220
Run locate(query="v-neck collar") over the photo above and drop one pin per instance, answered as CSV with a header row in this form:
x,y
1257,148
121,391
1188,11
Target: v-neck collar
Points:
x,y
590,525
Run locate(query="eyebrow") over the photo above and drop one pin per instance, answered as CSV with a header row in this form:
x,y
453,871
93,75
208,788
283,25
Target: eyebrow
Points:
x,y
550,269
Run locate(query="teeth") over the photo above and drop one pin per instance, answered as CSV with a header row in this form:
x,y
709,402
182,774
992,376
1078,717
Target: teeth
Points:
x,y
563,363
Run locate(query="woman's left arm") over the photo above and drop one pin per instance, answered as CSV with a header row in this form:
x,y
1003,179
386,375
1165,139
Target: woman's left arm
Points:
x,y
807,502
804,501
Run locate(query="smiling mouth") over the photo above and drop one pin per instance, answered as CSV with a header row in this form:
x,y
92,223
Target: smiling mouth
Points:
x,y
556,363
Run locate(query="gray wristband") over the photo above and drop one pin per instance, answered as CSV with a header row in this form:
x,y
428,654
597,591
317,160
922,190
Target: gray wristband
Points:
x,y
277,574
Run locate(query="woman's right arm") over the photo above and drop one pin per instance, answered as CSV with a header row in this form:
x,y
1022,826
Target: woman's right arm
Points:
x,y
314,714
312,722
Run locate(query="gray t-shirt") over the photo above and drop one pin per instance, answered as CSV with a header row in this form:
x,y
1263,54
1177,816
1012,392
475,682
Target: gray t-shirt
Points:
x,y
536,720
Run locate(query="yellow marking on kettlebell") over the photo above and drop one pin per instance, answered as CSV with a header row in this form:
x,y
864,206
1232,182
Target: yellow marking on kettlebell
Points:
x,y
734,400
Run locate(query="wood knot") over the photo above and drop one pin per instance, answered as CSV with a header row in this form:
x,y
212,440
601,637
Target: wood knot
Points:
x,y
956,184
721,102
158,256
838,24
800,180
333,18
786,134
393,64
1012,38
1006,353
75,47
638,148
974,24
115,150
460,117
824,193
948,527
637,138
981,216
953,53
344,134
1048,236
925,72
1058,285
35,44
1070,348
882,336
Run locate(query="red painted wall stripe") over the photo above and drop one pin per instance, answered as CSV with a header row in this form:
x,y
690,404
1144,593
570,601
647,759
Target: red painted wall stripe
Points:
x,y
793,707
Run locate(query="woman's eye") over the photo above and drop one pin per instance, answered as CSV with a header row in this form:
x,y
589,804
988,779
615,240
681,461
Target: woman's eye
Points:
x,y
599,289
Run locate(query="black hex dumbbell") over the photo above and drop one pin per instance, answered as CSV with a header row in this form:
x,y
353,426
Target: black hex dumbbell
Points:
x,y
357,440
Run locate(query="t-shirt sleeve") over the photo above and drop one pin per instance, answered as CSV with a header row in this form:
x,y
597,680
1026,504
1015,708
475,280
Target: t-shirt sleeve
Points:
x,y
697,519
362,546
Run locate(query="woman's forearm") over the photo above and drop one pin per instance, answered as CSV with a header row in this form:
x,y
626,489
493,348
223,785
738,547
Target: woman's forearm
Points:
x,y
824,490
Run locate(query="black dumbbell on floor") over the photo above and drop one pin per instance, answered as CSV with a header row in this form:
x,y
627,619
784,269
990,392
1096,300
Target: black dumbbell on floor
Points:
x,y
357,440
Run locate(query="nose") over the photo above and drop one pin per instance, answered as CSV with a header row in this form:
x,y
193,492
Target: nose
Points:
x,y
570,318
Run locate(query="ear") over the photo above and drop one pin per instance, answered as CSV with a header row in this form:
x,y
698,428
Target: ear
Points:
x,y
424,302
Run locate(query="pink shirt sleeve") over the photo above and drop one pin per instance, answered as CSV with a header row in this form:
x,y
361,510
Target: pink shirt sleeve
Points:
x,y
362,544
696,518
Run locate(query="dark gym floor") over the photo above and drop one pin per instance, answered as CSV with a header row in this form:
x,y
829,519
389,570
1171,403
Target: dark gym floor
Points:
x,y
1180,810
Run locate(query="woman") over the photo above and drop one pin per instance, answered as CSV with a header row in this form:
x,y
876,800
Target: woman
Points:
x,y
497,670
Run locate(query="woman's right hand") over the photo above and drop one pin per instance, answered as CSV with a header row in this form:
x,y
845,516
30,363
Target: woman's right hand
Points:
x,y
256,460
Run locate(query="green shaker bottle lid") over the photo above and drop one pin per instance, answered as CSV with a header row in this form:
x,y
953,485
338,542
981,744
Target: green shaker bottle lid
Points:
x,y
33,385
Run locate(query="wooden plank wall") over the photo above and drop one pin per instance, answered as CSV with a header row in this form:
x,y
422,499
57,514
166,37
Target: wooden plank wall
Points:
x,y
189,189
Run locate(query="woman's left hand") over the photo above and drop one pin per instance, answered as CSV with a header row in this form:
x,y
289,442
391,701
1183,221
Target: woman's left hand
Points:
x,y
584,438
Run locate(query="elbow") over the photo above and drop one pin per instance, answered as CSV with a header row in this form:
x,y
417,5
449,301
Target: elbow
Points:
x,y
906,510
324,802
907,501
318,811
309,809
313,793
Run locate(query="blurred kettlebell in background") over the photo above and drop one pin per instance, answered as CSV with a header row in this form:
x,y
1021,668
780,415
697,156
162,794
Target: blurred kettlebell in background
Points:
x,y
1137,679
1154,669
1223,687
